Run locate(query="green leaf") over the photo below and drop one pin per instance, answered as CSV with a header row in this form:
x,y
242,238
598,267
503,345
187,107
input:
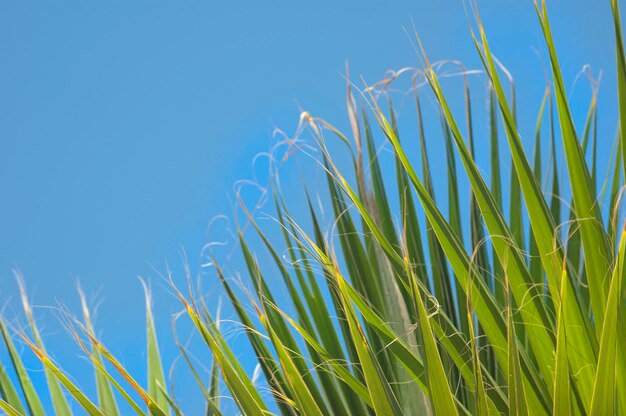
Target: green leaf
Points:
x,y
603,399
532,310
239,384
307,405
598,256
479,385
517,392
106,399
274,377
378,387
153,408
33,401
8,391
562,397
59,376
581,348
156,376
339,369
440,394
9,409
59,402
621,76
101,370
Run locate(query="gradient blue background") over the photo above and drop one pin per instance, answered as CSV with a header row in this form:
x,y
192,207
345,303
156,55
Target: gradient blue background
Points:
x,y
124,125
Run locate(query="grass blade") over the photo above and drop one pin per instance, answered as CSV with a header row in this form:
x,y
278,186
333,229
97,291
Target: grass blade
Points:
x,y
603,401
33,401
621,76
59,402
9,409
598,257
440,395
74,390
156,376
562,397
106,399
241,387
517,392
8,391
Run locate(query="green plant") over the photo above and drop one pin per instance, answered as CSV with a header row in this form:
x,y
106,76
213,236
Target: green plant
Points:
x,y
404,319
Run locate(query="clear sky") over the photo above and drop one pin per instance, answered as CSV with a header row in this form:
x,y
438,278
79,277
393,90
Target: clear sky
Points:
x,y
123,125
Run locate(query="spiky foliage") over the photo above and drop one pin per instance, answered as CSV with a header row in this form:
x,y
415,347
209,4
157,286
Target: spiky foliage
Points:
x,y
395,312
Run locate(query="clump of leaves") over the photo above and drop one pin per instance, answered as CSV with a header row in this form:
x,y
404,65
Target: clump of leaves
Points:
x,y
402,315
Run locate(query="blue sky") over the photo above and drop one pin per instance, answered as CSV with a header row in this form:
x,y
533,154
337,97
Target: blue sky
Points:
x,y
123,125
